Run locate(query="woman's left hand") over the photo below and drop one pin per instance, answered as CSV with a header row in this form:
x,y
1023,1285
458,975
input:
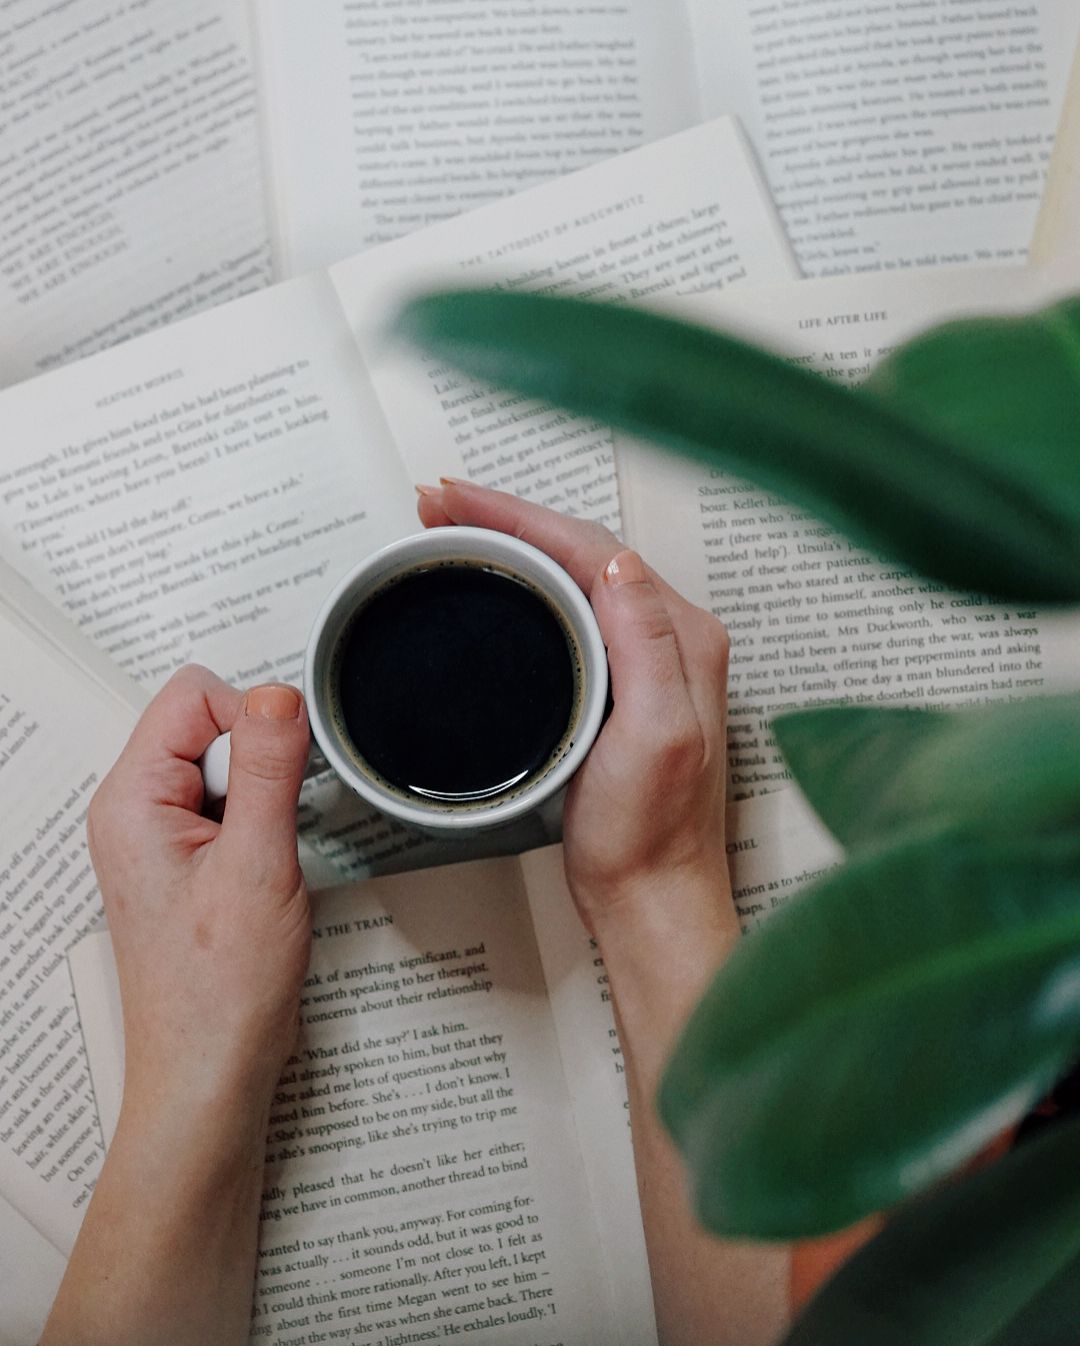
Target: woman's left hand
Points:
x,y
211,929
210,921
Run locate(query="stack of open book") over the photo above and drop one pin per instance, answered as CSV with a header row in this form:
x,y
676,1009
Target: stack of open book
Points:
x,y
449,1153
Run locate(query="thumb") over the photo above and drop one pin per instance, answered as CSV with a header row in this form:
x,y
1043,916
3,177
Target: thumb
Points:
x,y
269,755
648,682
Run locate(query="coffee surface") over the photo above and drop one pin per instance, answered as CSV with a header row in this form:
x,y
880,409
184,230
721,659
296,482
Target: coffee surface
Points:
x,y
456,683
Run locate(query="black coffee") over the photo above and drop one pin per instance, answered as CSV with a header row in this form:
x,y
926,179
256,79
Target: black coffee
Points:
x,y
457,684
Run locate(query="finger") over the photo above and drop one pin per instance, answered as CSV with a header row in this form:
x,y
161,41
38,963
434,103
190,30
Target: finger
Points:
x,y
705,659
189,712
581,547
701,640
157,765
704,647
649,688
270,741
429,507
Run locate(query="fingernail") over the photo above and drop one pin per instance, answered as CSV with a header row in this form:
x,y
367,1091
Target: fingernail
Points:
x,y
421,489
456,481
273,702
626,568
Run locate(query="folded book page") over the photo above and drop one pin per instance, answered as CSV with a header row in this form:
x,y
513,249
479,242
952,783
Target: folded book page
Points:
x,y
33,1270
59,733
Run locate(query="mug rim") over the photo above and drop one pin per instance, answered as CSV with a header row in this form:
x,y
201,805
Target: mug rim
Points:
x,y
482,544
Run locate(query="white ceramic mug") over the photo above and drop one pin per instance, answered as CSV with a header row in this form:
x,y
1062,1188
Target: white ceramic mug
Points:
x,y
420,552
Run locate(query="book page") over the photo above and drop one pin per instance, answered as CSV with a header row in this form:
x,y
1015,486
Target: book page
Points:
x,y
195,496
383,118
776,846
33,1270
687,214
423,1172
59,735
1057,229
56,635
813,617
894,135
92,968
592,1061
130,176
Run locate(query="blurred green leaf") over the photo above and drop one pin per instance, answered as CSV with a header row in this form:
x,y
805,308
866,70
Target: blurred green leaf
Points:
x,y
877,1032
879,467
871,772
1005,387
990,1261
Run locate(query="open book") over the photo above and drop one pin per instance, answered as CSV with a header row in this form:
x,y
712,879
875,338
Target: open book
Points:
x,y
65,713
132,184
892,134
449,1147
196,493
812,616
130,176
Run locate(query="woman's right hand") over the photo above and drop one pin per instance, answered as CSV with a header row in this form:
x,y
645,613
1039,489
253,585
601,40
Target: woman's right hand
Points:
x,y
644,821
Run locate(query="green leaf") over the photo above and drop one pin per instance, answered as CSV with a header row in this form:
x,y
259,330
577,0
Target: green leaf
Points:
x,y
991,1261
1006,388
870,772
878,1032
885,469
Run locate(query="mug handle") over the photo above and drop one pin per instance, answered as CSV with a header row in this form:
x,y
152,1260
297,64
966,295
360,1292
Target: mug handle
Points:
x,y
214,765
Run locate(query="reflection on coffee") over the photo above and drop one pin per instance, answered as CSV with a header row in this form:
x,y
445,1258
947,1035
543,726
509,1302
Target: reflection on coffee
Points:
x,y
457,684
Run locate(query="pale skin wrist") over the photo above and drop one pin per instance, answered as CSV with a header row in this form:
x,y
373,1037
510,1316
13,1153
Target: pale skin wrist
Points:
x,y
662,943
166,1256
212,1128
226,1070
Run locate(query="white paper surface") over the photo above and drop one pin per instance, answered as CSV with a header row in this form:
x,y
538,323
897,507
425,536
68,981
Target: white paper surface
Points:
x,y
32,1272
685,215
130,176
381,120
894,135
